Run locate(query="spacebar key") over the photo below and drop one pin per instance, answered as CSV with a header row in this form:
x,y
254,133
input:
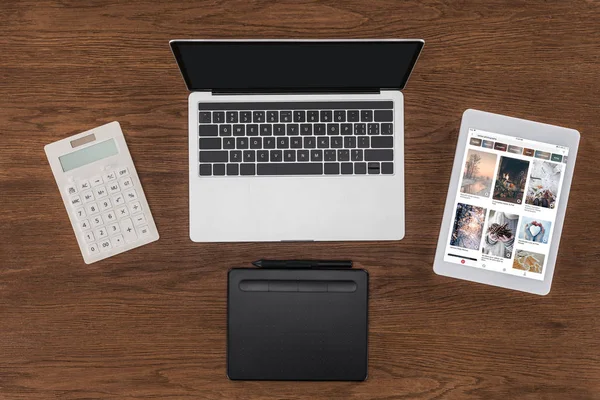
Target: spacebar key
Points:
x,y
289,168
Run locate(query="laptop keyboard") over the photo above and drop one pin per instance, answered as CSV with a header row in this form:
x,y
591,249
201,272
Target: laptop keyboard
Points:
x,y
296,138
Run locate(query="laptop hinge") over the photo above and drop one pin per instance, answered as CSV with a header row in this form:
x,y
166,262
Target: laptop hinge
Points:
x,y
299,91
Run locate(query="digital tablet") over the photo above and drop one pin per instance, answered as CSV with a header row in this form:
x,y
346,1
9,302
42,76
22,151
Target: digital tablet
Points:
x,y
506,202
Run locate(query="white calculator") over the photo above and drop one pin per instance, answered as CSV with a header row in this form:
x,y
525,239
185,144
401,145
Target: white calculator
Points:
x,y
102,192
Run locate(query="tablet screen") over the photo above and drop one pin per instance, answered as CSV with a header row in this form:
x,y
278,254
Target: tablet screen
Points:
x,y
505,207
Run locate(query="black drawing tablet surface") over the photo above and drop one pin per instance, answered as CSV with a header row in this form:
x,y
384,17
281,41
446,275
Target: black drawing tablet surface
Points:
x,y
303,324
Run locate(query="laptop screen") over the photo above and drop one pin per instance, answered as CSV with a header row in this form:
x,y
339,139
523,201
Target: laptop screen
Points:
x,y
296,65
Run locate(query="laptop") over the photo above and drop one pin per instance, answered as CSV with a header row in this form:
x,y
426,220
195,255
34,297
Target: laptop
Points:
x,y
296,140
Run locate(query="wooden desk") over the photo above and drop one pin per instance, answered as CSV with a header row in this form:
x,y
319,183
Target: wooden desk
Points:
x,y
150,323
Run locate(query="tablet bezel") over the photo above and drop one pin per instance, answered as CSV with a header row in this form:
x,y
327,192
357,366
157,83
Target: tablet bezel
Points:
x,y
517,128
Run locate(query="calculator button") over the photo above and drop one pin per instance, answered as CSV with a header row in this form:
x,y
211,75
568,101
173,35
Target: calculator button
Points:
x,y
87,196
117,241
131,195
110,217
118,199
93,249
97,221
89,237
122,212
84,185
85,224
75,200
111,176
144,230
105,245
114,228
71,189
92,208
80,213
127,183
113,188
105,204
121,172
97,180
135,207
139,220
128,230
101,233
101,192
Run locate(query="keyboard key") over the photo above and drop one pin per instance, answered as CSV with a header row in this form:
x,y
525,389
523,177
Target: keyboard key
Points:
x,y
117,241
85,224
269,143
373,168
93,249
87,196
204,117
256,143
283,143
272,116
80,212
292,129
210,143
296,143
320,129
350,142
139,220
205,170
247,169
266,130
239,130
360,129
100,192
119,199
105,246
218,117
113,228
306,129
89,237
343,155
235,156
382,142
232,117
309,143
289,155
379,155
333,129
241,143
387,168
252,130
232,169
285,116
130,195
290,169
208,130
276,156
97,180
219,169
366,115
384,115
144,230
299,116
258,116
71,189
121,172
387,129
360,168
326,116
312,116
357,155
224,130
332,168
249,156
128,230
228,143
347,169
262,156
126,183
135,207
76,201
303,156
96,221
214,156
346,129
337,142
279,130
339,116
363,142
329,155
316,155
92,208
245,116
373,129
323,143
109,217
353,116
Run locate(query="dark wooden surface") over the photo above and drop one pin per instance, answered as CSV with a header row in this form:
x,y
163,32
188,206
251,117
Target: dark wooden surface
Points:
x,y
150,323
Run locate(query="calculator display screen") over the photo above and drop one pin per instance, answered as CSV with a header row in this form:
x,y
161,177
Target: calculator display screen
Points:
x,y
88,155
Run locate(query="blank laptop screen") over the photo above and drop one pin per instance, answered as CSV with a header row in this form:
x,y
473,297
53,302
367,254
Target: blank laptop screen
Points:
x,y
295,65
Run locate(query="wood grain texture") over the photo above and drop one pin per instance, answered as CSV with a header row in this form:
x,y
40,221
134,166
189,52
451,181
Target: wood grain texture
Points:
x,y
150,323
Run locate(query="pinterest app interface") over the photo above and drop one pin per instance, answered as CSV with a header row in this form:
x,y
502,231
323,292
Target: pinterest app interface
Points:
x,y
505,207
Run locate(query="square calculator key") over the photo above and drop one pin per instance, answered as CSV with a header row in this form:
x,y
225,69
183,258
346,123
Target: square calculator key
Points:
x,y
101,192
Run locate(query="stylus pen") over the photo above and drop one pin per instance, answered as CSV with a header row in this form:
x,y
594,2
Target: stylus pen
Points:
x,y
328,264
